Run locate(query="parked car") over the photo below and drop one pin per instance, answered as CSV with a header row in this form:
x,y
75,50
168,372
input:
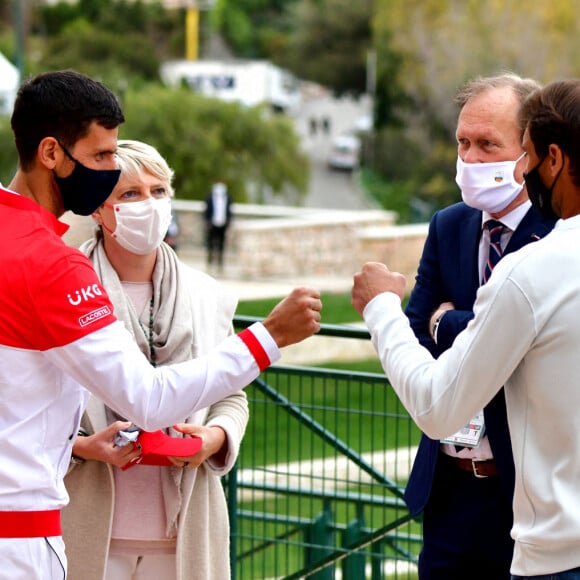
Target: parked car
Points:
x,y
344,153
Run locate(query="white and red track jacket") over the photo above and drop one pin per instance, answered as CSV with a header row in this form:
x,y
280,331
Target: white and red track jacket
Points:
x,y
58,333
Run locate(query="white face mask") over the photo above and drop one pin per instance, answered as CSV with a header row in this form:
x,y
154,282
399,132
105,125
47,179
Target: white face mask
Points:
x,y
142,225
489,187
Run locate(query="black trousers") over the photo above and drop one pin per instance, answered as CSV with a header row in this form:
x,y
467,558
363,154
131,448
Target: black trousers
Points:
x,y
216,241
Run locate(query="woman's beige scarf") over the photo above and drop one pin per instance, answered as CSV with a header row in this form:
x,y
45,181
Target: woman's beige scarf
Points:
x,y
173,339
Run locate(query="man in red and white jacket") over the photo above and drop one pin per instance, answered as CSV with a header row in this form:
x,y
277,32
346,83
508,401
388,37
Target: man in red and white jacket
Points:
x,y
59,338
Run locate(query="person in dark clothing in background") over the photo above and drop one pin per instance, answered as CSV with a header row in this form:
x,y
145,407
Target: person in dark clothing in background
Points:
x,y
217,216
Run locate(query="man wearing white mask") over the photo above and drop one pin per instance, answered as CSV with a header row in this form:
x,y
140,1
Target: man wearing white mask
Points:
x,y
464,484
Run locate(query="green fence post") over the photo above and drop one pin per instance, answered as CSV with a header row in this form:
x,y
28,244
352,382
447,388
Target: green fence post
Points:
x,y
320,543
377,562
353,567
232,498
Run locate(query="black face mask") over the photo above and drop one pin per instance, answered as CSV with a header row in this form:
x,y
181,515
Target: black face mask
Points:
x,y
539,194
85,189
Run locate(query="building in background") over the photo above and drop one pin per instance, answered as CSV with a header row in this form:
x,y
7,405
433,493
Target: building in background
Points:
x,y
249,82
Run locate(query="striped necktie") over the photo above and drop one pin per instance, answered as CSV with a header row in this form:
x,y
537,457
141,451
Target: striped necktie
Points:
x,y
496,229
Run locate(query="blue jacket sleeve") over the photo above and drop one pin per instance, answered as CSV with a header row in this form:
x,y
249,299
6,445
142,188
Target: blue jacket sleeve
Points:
x,y
430,291
452,323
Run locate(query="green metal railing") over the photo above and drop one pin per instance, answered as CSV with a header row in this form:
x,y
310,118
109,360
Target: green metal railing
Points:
x,y
317,490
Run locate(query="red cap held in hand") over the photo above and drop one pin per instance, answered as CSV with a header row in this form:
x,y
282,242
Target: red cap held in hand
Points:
x,y
157,446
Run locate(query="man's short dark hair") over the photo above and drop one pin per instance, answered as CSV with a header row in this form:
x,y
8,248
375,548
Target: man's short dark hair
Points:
x,y
552,115
60,104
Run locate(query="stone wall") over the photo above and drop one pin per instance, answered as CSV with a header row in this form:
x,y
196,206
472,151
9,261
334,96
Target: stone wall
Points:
x,y
273,241
399,247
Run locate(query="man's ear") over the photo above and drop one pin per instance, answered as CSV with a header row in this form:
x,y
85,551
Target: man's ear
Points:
x,y
556,159
48,152
96,215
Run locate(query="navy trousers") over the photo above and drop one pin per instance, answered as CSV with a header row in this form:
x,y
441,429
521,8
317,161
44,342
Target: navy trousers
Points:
x,y
466,527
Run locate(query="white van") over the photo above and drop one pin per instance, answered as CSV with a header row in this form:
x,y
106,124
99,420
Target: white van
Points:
x,y
345,153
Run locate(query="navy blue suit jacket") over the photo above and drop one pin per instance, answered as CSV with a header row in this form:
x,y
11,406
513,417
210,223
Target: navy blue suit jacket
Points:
x,y
448,272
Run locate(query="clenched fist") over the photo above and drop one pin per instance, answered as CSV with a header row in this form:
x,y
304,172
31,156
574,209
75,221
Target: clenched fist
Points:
x,y
374,279
296,317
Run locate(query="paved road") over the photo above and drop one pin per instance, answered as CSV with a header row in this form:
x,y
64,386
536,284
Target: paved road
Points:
x,y
328,188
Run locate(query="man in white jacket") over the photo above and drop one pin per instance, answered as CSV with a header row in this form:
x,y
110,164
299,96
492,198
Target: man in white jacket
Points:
x,y
525,335
59,337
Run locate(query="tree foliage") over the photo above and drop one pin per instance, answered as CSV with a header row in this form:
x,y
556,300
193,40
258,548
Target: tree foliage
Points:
x,y
114,40
253,28
324,41
444,43
330,42
8,155
204,139
103,54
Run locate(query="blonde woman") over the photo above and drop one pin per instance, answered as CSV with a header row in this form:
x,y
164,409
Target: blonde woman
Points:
x,y
152,522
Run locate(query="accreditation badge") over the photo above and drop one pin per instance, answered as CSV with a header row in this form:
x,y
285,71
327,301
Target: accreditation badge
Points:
x,y
470,435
